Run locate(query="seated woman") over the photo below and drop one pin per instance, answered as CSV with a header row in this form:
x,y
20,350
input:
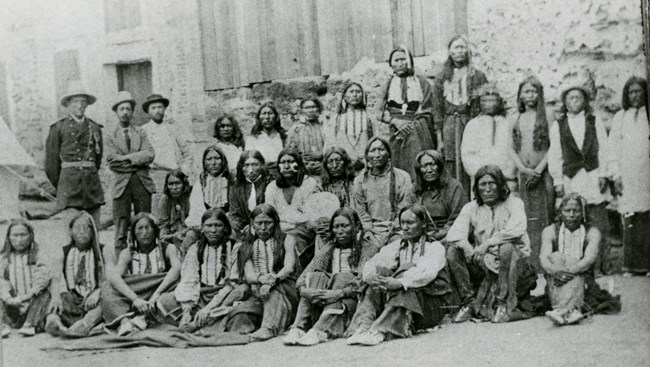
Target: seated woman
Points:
x,y
287,194
443,196
407,285
229,139
488,245
209,276
266,262
267,135
247,191
141,274
75,287
209,191
24,279
568,254
329,285
174,207
338,174
352,127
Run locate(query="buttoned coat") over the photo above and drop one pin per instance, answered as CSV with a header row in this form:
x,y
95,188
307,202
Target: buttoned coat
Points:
x,y
139,158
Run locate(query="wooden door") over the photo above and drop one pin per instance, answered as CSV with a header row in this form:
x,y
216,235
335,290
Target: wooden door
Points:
x,y
136,79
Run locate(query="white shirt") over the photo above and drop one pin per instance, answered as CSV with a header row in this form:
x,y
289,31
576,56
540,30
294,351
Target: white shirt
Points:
x,y
488,140
164,146
584,183
291,214
269,145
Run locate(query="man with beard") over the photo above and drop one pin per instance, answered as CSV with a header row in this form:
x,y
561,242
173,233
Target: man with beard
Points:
x,y
129,154
380,192
73,154
172,150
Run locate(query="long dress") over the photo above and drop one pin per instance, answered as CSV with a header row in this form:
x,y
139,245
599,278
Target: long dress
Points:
x,y
538,201
629,142
410,99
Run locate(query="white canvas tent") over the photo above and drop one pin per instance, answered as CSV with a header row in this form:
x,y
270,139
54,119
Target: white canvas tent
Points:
x,y
12,154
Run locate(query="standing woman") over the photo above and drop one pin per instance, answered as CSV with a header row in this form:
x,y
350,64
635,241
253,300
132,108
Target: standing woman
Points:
x,y
530,145
24,279
408,109
267,135
441,195
454,105
248,190
266,262
229,139
338,174
174,207
352,127
141,274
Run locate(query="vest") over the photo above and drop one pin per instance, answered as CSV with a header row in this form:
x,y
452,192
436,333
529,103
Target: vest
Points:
x,y
573,158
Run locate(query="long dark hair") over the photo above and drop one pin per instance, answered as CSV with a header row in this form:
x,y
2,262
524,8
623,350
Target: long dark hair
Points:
x,y
94,240
421,213
224,170
241,178
220,215
349,173
575,197
357,239
258,128
135,245
314,99
625,103
448,66
237,136
343,106
411,70
496,173
540,131
182,177
33,246
245,252
420,186
281,181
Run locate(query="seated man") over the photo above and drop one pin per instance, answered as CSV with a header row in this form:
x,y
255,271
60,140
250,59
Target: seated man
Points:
x,y
407,285
209,277
489,237
329,285
568,256
141,274
75,307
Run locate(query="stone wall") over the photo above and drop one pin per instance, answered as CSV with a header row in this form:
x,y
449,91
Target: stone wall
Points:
x,y
599,41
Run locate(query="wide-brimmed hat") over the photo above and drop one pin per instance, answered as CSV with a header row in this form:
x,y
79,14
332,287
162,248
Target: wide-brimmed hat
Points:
x,y
575,86
153,99
75,88
122,97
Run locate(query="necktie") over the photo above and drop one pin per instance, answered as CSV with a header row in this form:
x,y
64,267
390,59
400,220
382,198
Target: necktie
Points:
x,y
404,87
252,198
127,138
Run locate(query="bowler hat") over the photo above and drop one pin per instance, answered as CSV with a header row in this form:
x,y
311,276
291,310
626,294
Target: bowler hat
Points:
x,y
75,88
153,99
122,97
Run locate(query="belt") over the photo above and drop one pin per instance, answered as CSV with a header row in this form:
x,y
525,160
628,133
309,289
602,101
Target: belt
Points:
x,y
78,164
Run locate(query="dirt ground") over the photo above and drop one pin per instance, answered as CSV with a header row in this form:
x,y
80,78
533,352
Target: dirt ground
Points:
x,y
620,340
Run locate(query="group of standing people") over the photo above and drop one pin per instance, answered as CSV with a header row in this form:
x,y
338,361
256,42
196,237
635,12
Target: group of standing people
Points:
x,y
248,246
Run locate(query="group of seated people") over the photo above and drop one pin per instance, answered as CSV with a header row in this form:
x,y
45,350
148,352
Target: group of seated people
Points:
x,y
394,259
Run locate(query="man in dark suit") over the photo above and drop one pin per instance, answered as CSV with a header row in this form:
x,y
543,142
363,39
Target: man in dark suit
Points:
x,y
73,154
129,154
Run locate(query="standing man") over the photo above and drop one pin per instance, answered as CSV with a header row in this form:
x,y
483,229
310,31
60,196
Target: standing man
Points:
x,y
172,150
129,154
579,161
73,154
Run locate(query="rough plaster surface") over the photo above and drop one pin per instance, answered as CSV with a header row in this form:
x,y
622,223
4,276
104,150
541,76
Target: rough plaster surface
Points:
x,y
596,41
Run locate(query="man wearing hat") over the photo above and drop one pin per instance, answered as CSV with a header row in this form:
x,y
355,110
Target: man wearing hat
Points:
x,y
73,154
172,150
129,154
578,160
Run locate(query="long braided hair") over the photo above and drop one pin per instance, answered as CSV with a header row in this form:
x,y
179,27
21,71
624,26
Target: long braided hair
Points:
x,y
540,131
357,238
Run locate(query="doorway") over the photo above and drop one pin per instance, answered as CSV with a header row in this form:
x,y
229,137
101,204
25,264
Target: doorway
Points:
x,y
136,78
